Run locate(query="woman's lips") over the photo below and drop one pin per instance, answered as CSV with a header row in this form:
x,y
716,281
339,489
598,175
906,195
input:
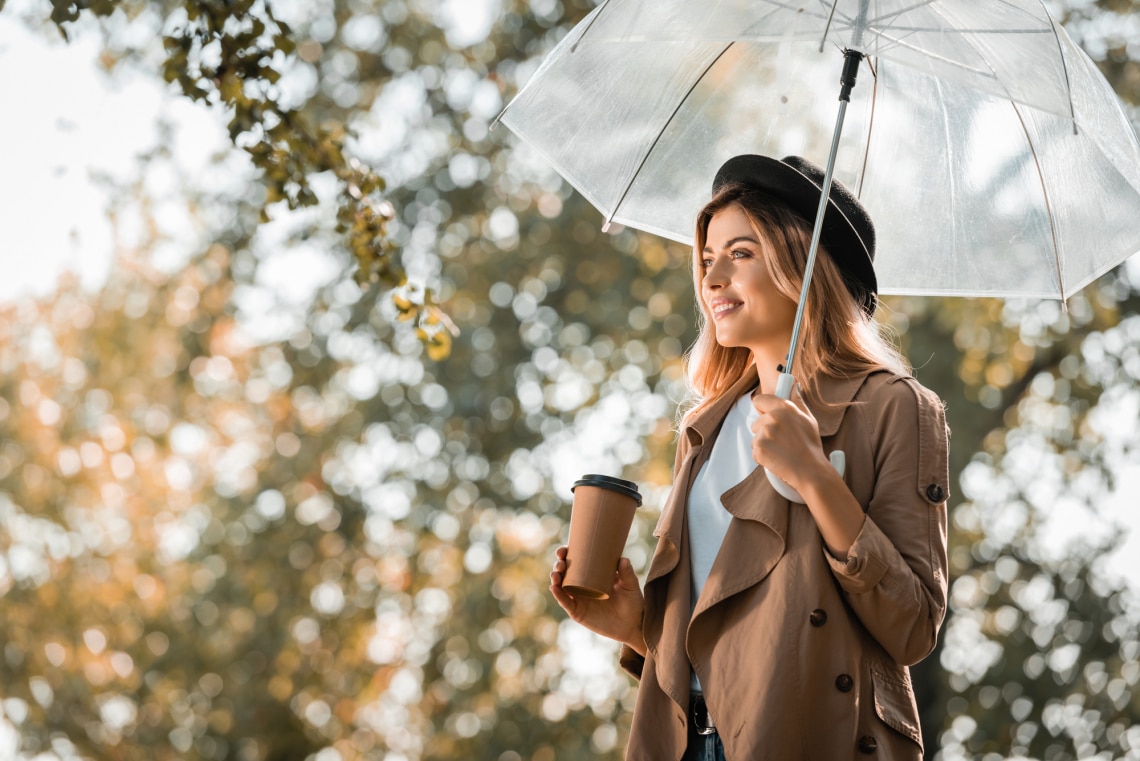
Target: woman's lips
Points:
x,y
725,308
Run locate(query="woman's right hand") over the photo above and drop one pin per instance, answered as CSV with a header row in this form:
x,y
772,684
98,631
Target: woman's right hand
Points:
x,y
618,618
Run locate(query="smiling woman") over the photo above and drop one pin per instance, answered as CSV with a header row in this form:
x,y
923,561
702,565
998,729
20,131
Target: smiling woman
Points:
x,y
831,600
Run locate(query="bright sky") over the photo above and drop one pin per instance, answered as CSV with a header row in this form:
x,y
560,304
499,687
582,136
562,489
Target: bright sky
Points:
x,y
52,215
71,124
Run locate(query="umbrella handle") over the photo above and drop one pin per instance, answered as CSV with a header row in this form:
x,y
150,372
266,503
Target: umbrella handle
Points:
x,y
784,385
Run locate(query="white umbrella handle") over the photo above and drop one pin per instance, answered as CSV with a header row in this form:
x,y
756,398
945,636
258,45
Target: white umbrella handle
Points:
x,y
784,385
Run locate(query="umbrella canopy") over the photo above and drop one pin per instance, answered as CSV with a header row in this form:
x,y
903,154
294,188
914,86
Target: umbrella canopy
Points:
x,y
992,154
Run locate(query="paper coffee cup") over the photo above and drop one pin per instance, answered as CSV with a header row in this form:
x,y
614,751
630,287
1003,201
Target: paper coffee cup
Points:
x,y
599,525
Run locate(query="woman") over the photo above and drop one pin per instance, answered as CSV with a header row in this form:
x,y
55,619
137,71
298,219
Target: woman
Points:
x,y
767,629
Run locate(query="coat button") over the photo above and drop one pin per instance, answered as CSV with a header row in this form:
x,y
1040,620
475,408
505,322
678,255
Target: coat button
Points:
x,y
818,617
868,744
844,683
935,493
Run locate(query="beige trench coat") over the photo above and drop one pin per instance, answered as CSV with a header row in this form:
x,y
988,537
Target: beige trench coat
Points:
x,y
801,656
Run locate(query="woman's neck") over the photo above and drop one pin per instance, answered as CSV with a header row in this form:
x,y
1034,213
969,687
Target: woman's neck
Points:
x,y
768,363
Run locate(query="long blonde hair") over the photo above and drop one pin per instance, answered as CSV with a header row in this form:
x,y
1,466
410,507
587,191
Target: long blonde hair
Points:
x,y
837,338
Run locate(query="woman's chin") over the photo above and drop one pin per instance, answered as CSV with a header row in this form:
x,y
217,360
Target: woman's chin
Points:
x,y
728,340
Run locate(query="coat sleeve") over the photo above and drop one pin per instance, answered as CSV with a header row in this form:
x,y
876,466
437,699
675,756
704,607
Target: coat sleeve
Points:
x,y
631,662
895,573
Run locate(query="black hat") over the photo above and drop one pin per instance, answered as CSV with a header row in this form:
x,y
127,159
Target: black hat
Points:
x,y
848,232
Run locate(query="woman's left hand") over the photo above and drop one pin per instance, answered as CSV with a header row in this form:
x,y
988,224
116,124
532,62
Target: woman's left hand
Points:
x,y
786,441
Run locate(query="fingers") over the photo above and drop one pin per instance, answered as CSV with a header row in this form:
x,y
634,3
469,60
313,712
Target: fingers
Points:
x,y
774,410
565,601
767,403
559,563
626,578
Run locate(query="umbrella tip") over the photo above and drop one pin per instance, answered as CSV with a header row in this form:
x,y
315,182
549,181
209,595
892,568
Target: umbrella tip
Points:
x,y
498,118
606,226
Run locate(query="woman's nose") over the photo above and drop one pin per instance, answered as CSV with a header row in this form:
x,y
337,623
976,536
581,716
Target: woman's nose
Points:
x,y
716,275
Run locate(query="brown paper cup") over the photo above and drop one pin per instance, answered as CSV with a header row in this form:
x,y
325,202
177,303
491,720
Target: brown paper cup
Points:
x,y
599,525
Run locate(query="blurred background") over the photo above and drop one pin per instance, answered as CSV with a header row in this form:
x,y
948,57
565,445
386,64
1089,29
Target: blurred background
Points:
x,y
299,359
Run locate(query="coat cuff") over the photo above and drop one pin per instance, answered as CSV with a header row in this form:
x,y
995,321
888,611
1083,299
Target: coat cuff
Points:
x,y
631,662
864,567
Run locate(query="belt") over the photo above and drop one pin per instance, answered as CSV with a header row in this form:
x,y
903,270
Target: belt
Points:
x,y
699,715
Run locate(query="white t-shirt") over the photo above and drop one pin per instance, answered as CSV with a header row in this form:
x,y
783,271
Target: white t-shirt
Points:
x,y
729,463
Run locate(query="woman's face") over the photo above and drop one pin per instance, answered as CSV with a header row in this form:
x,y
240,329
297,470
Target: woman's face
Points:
x,y
738,293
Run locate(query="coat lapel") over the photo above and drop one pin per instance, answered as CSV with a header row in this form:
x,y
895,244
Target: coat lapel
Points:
x,y
757,535
698,432
754,542
667,584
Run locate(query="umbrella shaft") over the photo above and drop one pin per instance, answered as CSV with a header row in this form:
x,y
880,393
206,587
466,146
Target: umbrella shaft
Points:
x,y
816,233
851,62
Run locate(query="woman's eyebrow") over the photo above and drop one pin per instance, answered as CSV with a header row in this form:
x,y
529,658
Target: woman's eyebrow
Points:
x,y
733,242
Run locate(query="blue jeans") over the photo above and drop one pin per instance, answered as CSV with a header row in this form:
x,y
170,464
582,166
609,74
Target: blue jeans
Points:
x,y
703,747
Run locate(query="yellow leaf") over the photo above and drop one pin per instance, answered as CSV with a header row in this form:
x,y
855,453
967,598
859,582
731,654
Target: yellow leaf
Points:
x,y
439,347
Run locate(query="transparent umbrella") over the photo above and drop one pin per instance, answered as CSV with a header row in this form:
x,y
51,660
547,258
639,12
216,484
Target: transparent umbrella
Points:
x,y
991,153
993,156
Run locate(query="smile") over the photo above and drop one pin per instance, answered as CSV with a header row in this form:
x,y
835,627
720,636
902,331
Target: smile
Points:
x,y
721,308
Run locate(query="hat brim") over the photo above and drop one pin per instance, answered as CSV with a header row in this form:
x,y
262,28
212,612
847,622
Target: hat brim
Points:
x,y
801,194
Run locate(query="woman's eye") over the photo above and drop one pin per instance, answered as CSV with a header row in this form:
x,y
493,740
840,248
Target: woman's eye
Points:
x,y
741,253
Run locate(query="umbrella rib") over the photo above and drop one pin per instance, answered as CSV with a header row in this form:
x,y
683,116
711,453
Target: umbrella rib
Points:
x,y
949,164
593,18
993,75
827,26
797,8
988,72
880,22
870,128
660,132
926,3
900,12
979,31
760,21
1040,176
499,117
1045,195
1064,66
1022,11
900,42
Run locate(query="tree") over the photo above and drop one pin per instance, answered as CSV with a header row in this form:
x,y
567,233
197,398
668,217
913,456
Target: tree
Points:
x,y
359,534
356,467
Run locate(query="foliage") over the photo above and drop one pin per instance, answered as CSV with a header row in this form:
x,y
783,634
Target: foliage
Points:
x,y
231,55
1039,626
